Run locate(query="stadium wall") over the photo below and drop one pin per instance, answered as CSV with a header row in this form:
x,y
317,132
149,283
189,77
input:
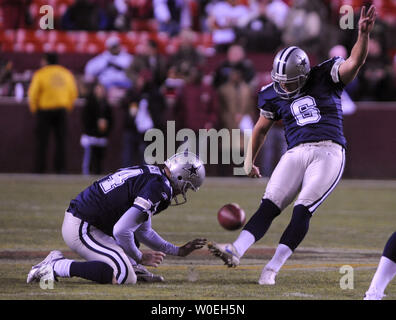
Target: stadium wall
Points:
x,y
370,132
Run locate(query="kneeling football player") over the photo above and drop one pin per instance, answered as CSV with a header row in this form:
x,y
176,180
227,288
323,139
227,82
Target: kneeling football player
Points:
x,y
104,223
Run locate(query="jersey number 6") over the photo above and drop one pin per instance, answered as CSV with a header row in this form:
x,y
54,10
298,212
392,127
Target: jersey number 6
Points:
x,y
304,111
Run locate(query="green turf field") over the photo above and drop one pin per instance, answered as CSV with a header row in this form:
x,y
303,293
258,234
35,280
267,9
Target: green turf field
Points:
x,y
350,228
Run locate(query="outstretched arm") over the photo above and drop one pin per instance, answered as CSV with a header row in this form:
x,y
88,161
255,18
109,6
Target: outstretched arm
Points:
x,y
350,68
148,236
123,232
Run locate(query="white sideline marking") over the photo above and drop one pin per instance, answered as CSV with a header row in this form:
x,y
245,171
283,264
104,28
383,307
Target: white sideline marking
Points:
x,y
259,267
299,294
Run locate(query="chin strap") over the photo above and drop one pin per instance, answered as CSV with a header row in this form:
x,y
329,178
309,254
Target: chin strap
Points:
x,y
187,185
177,203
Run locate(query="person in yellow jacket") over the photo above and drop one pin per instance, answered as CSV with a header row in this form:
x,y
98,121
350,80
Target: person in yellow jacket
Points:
x,y
51,94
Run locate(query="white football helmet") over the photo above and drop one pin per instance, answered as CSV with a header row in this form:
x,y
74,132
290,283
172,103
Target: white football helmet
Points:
x,y
186,172
290,71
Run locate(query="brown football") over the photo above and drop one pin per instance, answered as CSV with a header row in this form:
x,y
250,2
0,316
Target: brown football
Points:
x,y
231,216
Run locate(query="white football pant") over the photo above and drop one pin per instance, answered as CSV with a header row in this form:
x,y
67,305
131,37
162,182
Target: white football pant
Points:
x,y
309,170
94,245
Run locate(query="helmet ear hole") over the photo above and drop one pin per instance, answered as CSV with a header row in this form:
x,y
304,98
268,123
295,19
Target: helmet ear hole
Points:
x,y
179,177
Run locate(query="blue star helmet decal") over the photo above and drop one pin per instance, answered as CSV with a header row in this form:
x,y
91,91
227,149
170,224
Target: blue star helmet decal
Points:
x,y
192,170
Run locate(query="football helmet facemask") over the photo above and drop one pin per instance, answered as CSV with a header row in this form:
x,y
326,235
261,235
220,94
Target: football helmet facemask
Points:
x,y
290,72
186,172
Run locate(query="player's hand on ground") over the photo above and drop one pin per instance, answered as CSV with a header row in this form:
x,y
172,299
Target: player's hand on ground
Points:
x,y
366,21
191,246
152,258
255,172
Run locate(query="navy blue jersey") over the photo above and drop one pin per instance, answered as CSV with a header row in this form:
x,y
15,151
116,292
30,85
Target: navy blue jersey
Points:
x,y
316,114
106,200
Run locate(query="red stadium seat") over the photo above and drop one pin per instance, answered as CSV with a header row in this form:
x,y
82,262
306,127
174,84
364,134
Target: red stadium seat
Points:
x,y
64,47
144,25
7,35
48,47
20,36
30,47
90,42
7,46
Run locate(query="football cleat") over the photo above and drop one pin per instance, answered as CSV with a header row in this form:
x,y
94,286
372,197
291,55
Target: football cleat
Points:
x,y
44,269
225,252
143,275
267,277
45,272
373,295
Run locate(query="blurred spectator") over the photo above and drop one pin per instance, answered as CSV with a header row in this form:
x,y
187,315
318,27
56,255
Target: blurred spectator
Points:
x,y
16,13
187,55
374,80
306,26
236,102
172,15
85,15
393,98
375,77
97,123
381,32
236,107
122,18
223,18
142,15
5,77
52,93
232,81
136,15
197,108
203,6
110,68
142,9
144,107
197,103
259,33
171,88
277,12
236,59
148,58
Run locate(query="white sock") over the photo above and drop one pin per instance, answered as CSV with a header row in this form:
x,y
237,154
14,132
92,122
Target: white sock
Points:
x,y
243,242
282,253
385,272
62,268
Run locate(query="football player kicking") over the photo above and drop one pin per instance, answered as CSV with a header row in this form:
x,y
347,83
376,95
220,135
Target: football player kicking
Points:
x,y
386,271
308,102
103,222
